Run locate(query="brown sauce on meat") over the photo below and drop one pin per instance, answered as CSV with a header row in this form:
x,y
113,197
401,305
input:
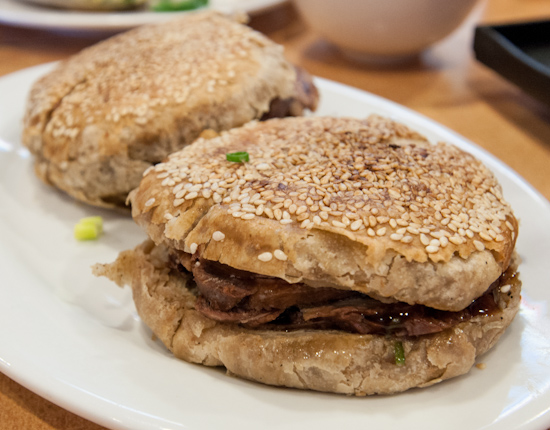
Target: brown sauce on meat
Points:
x,y
254,301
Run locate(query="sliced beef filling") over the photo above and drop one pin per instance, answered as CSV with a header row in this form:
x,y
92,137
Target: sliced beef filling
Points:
x,y
255,301
307,98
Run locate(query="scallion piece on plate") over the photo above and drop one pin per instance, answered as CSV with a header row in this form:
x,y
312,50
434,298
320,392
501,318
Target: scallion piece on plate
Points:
x,y
88,228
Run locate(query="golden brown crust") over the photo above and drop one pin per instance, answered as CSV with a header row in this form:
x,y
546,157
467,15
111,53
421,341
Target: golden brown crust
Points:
x,y
366,204
102,117
319,360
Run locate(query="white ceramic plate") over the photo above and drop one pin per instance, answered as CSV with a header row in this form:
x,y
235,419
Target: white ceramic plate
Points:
x,y
20,13
77,341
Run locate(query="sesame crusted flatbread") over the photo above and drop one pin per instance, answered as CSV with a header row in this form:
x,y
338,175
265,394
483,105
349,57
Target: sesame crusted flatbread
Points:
x,y
364,205
331,234
102,117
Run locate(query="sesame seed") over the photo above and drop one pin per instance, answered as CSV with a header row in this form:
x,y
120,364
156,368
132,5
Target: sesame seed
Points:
x,y
382,219
435,242
479,245
279,255
381,231
302,217
505,289
407,239
413,230
263,166
396,236
265,257
218,236
485,236
356,225
432,249
301,210
193,247
150,202
457,240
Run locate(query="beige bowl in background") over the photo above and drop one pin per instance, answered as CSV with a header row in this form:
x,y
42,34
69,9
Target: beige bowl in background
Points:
x,y
384,29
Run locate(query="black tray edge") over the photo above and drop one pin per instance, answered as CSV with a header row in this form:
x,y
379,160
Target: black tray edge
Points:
x,y
497,52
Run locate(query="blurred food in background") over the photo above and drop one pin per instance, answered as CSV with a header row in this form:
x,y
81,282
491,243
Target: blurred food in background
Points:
x,y
110,5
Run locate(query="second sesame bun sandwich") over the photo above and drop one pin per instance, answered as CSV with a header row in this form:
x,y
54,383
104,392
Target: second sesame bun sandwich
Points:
x,y
339,255
99,119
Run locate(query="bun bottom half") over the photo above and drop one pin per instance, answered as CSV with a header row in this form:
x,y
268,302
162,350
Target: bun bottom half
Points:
x,y
329,361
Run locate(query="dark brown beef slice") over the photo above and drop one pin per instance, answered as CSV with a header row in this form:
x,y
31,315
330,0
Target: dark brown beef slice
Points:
x,y
255,301
307,98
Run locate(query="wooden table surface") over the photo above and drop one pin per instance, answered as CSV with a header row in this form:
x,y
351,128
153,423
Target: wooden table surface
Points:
x,y
445,83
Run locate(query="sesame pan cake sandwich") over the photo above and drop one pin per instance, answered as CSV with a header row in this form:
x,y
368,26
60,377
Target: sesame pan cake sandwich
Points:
x,y
332,254
101,118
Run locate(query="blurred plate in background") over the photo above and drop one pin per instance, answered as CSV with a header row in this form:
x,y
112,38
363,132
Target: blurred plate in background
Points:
x,y
19,13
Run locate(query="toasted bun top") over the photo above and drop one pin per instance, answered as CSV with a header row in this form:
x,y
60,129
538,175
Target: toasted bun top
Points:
x,y
145,93
367,205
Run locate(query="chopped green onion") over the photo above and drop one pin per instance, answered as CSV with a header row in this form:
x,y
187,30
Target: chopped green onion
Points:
x,y
399,353
95,220
177,5
237,157
88,228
